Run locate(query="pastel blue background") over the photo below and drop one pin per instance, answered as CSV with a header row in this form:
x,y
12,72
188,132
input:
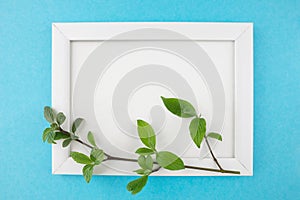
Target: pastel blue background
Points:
x,y
25,87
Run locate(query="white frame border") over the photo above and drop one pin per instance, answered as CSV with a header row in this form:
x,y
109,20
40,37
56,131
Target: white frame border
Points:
x,y
240,33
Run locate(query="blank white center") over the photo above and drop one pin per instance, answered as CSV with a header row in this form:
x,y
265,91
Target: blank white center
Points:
x,y
141,101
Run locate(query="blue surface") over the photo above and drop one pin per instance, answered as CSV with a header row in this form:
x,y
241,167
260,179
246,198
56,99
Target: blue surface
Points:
x,y
25,87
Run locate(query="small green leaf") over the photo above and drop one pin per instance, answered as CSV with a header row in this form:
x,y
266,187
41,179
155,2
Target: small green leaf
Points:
x,y
143,171
91,138
76,124
81,158
140,171
142,162
49,114
66,142
60,118
51,137
149,162
61,135
169,160
144,151
179,107
54,126
137,185
215,136
197,130
146,163
87,172
46,134
97,155
146,134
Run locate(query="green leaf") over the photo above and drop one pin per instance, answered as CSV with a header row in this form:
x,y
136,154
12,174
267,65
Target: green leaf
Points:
x,y
51,137
142,162
197,130
140,171
146,163
46,134
149,162
97,155
76,124
169,160
81,158
61,135
143,171
215,136
179,107
87,172
91,138
144,151
60,118
54,126
66,142
49,114
146,134
137,185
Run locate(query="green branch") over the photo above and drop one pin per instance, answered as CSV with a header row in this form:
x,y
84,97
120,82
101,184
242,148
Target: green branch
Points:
x,y
148,155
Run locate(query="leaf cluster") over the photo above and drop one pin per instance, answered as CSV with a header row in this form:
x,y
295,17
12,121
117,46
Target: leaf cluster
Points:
x,y
55,132
197,127
95,158
163,159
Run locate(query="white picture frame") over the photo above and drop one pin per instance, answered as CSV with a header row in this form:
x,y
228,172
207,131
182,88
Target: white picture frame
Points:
x,y
241,36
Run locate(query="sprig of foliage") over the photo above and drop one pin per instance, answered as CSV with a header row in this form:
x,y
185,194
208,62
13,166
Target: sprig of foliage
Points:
x,y
185,109
96,157
150,159
163,159
53,132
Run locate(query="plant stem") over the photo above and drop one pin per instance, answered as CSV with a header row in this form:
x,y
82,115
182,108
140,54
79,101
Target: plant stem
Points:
x,y
185,166
212,154
85,144
212,170
156,170
109,157
77,140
